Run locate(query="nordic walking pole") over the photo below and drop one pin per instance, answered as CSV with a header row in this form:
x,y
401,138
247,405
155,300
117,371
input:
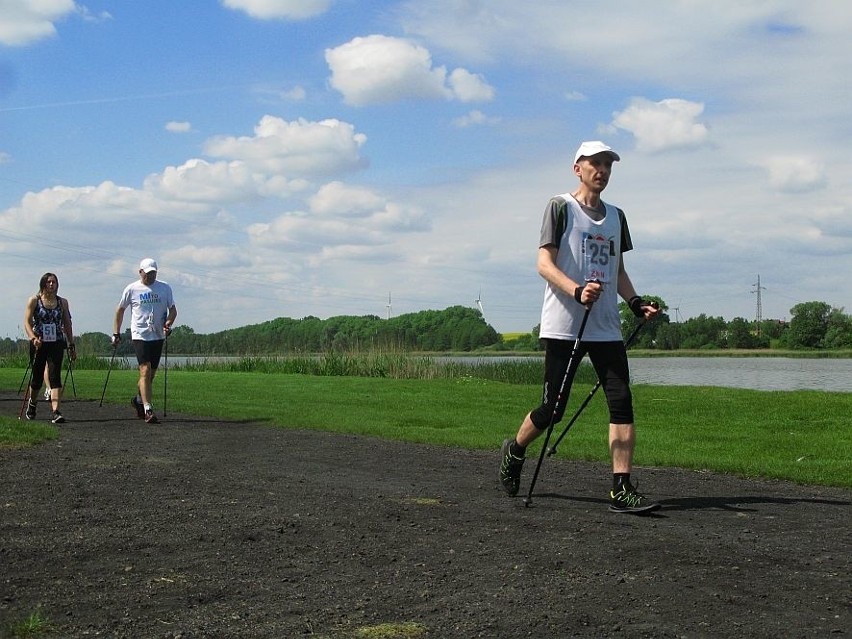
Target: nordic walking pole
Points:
x,y
567,380
24,403
165,374
69,372
109,370
26,370
73,385
627,344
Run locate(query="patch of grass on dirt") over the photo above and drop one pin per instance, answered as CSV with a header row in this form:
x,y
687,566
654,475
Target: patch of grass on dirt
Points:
x,y
400,630
36,625
19,432
407,630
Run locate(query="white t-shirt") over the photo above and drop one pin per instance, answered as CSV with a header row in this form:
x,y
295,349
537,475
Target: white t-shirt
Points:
x,y
588,249
149,308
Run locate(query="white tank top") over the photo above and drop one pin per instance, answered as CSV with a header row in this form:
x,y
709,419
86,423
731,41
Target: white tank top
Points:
x,y
588,250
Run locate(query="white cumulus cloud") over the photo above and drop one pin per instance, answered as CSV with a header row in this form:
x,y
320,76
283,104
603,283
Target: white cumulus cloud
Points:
x,y
200,181
795,174
380,69
299,148
470,87
340,200
178,127
667,124
474,118
337,198
25,21
340,219
279,9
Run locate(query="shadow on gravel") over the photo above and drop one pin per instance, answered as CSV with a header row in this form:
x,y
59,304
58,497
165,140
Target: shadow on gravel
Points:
x,y
737,503
733,504
589,500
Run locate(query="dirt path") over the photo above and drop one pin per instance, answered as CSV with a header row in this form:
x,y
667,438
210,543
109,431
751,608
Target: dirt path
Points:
x,y
196,528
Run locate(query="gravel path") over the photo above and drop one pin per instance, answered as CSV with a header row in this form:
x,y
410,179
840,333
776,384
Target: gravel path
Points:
x,y
197,528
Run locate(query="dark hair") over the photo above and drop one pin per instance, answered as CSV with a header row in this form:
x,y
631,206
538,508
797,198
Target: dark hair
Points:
x,y
43,281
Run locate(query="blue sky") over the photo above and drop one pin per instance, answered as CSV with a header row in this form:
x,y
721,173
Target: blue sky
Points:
x,y
312,157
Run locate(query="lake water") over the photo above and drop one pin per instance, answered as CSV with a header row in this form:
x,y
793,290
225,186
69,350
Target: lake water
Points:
x,y
757,373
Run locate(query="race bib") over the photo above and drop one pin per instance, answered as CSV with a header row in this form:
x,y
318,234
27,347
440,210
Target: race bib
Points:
x,y
48,332
599,253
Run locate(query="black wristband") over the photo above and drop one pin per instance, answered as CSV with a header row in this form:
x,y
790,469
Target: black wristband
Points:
x,y
636,303
578,294
116,335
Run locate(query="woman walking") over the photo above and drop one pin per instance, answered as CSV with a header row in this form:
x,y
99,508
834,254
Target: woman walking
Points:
x,y
47,321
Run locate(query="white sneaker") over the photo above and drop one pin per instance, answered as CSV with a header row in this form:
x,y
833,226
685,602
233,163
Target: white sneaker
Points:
x,y
47,394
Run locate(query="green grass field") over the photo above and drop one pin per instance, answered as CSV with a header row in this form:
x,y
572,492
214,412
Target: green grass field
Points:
x,y
803,436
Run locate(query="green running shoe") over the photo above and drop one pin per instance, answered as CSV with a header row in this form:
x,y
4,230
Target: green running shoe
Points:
x,y
628,500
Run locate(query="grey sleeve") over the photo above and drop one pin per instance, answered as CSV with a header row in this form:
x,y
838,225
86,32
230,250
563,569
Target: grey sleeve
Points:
x,y
553,223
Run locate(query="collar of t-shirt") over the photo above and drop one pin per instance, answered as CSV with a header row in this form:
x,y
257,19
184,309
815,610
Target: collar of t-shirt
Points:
x,y
595,213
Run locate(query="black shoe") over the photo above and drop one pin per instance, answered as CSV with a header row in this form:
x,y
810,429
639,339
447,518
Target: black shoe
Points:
x,y
140,409
151,418
31,409
510,469
57,418
628,500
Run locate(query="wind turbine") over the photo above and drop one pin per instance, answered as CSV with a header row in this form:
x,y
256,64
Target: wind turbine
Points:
x,y
676,310
389,305
478,301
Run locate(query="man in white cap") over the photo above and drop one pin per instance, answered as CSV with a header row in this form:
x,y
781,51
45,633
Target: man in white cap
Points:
x,y
152,315
580,258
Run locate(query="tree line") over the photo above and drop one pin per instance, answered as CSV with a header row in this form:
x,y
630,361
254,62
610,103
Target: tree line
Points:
x,y
813,325
457,328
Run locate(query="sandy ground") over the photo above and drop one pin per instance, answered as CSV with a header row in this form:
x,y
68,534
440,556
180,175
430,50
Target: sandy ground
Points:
x,y
199,528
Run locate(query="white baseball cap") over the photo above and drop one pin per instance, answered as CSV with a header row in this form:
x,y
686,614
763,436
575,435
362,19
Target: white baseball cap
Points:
x,y
147,265
593,147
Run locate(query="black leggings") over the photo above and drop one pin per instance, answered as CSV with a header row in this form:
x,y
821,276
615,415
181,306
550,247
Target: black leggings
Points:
x,y
49,354
610,362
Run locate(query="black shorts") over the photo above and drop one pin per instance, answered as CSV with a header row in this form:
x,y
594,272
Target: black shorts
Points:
x,y
148,352
610,362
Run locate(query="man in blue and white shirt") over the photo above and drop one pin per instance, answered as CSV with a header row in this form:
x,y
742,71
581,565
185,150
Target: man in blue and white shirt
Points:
x,y
152,314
